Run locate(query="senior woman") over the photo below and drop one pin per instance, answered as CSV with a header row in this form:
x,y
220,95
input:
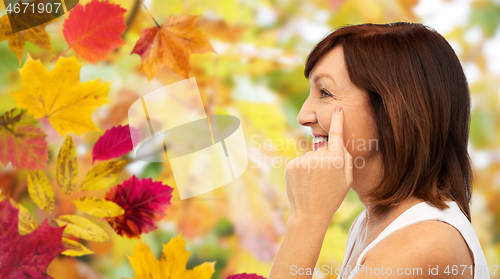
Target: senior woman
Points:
x,y
399,93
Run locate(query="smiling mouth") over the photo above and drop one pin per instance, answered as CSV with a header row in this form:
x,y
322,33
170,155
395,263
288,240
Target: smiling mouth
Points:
x,y
320,139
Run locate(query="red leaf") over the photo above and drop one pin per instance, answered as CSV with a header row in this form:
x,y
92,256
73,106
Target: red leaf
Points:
x,y
144,201
245,276
21,142
115,142
26,256
95,30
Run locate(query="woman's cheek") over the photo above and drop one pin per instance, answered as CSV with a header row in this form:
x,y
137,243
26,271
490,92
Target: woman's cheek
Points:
x,y
324,119
325,116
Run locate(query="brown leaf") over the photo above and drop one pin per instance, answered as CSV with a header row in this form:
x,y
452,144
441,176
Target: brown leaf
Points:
x,y
9,183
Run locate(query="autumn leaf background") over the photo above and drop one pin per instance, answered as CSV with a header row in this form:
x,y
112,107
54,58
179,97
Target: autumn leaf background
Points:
x,y
248,59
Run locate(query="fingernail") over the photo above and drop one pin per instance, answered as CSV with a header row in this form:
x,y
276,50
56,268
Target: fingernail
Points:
x,y
337,109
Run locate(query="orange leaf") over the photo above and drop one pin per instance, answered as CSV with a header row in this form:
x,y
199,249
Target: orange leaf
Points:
x,y
36,35
95,30
170,45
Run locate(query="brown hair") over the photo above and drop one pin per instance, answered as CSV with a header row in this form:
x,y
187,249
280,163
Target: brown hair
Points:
x,y
421,104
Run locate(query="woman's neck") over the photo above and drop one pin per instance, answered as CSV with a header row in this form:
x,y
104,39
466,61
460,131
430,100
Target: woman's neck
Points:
x,y
367,178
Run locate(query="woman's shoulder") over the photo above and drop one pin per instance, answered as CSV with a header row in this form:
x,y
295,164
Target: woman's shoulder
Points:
x,y
433,240
420,247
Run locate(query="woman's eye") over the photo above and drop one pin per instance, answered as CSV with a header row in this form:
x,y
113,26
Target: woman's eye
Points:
x,y
324,93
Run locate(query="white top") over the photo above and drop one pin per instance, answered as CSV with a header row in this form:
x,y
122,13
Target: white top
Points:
x,y
418,213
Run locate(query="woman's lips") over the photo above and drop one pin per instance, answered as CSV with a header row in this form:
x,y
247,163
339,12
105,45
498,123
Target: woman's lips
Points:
x,y
319,141
319,145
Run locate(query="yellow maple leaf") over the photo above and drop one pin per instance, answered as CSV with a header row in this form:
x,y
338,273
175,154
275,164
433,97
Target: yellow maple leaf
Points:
x,y
36,35
172,263
170,45
59,95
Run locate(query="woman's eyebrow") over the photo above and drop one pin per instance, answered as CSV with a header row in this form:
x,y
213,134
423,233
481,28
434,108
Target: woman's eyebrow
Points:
x,y
321,75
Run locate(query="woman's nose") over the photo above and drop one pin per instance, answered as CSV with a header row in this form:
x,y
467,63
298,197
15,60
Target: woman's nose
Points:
x,y
307,115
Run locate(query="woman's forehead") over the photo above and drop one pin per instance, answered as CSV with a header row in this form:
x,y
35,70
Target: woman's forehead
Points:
x,y
322,75
330,66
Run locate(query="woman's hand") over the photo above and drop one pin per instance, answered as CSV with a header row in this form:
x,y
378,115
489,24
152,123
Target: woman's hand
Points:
x,y
318,182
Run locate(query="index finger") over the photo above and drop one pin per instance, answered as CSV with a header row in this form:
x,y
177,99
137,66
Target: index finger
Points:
x,y
336,132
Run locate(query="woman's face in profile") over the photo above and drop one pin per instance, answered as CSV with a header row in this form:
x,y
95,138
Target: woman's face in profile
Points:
x,y
331,86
